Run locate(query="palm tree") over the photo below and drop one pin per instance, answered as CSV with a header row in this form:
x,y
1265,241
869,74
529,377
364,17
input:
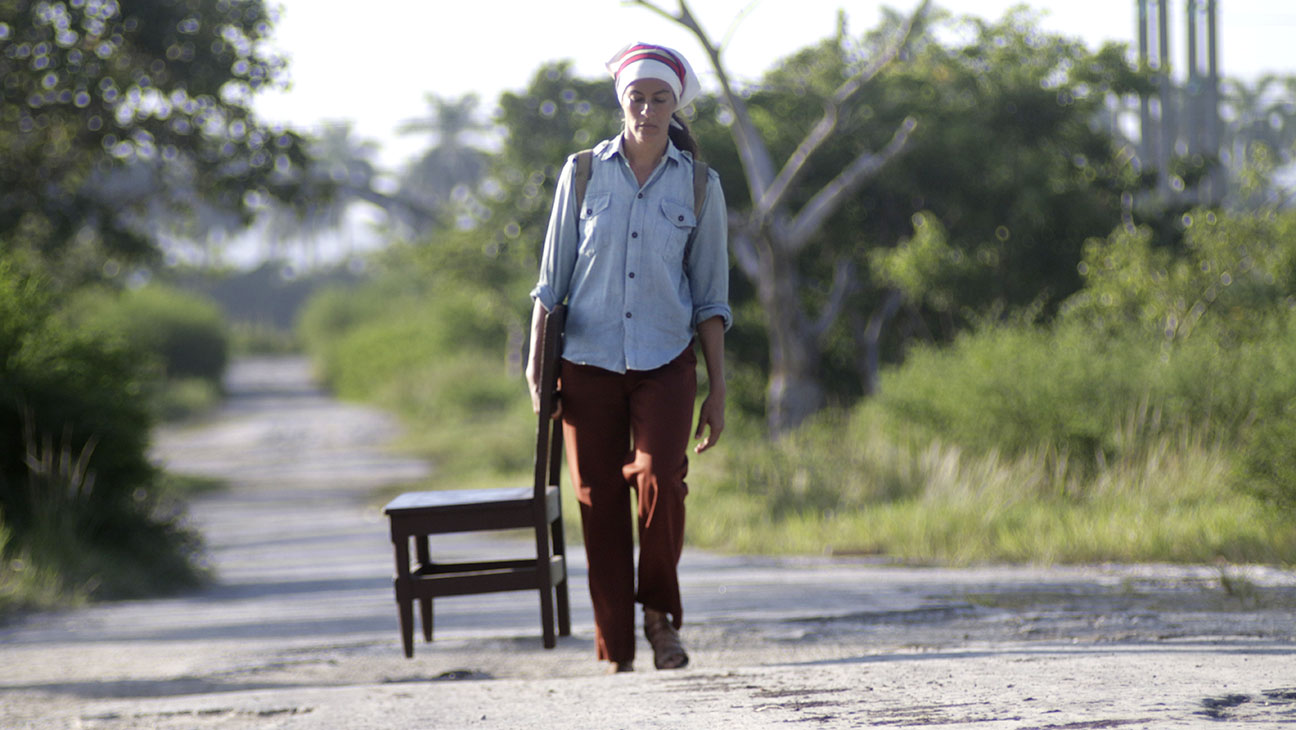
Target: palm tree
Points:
x,y
340,173
1263,113
450,170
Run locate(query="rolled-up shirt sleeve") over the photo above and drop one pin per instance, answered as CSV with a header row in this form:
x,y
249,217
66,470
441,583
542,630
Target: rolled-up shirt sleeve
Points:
x,y
560,244
708,258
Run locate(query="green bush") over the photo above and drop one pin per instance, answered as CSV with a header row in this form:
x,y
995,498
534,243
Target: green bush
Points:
x,y
1233,272
434,342
442,365
1018,388
1268,463
185,332
247,338
867,482
76,486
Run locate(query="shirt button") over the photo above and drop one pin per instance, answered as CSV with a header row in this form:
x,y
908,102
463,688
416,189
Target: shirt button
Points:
x,y
628,315
641,196
681,219
631,274
589,212
635,234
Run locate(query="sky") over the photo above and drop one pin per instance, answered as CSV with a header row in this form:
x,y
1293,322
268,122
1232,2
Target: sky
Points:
x,y
373,62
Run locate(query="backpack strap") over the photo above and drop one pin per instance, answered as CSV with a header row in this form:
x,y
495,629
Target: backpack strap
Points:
x,y
699,197
699,187
585,163
580,181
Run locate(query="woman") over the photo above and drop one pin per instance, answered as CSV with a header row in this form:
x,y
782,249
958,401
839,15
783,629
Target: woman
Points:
x,y
641,272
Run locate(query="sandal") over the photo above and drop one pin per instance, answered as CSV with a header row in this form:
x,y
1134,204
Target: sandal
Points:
x,y
620,667
668,652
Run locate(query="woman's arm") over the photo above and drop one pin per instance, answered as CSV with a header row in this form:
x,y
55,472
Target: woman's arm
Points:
x,y
711,414
536,353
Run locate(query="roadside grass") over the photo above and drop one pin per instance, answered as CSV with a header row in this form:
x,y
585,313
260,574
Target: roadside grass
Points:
x,y
58,567
179,488
863,482
1014,443
25,585
82,514
250,338
184,399
854,484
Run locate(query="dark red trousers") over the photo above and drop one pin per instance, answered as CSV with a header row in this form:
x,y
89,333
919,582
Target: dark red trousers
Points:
x,y
630,431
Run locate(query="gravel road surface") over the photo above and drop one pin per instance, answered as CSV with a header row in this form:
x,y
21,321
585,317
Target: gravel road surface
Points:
x,y
299,630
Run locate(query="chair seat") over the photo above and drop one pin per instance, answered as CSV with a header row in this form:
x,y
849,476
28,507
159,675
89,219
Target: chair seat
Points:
x,y
469,510
457,497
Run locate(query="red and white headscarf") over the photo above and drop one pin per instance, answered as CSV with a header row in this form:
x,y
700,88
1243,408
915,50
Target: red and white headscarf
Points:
x,y
646,61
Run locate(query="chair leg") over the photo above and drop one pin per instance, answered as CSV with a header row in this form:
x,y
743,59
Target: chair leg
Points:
x,y
404,599
543,567
425,604
564,609
425,608
547,615
405,607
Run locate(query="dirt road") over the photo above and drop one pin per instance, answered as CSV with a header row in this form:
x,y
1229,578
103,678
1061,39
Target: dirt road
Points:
x,y
299,629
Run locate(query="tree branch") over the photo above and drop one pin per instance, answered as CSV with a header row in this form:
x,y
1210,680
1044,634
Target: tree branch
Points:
x,y
868,338
824,129
826,202
843,284
744,248
755,157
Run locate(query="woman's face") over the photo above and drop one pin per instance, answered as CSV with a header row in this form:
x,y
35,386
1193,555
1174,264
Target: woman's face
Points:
x,y
647,105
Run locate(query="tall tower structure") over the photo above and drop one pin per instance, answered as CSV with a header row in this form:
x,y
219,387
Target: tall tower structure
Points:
x,y
1180,121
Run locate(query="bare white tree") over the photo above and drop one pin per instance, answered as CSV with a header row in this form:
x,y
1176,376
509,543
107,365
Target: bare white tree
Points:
x,y
768,239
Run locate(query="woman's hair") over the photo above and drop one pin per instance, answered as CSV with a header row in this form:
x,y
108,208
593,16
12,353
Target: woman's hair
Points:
x,y
682,137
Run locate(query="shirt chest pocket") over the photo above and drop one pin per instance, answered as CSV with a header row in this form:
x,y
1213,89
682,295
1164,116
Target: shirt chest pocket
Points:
x,y
672,226
596,209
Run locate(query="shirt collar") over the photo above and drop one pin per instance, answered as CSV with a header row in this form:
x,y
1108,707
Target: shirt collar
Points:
x,y
613,146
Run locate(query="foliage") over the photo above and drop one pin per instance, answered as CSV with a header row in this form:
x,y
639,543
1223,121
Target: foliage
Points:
x,y
1007,159
435,337
1013,388
76,488
866,482
251,338
555,117
1223,306
181,336
185,332
1002,155
1259,127
1161,342
1048,418
445,176
112,113
1230,272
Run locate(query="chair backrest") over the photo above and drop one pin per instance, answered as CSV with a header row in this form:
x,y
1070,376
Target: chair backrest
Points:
x,y
548,451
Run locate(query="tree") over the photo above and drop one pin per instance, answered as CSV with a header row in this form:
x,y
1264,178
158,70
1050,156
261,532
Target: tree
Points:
x,y
1259,138
1009,165
451,168
770,237
340,173
556,116
159,88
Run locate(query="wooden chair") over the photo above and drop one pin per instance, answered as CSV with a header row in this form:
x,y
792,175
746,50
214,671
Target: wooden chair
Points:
x,y
416,515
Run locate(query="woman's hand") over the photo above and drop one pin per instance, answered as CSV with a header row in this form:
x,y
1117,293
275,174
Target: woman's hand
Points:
x,y
534,355
711,420
533,385
535,362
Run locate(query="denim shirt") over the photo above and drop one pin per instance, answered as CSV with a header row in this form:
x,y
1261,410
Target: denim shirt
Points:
x,y
635,287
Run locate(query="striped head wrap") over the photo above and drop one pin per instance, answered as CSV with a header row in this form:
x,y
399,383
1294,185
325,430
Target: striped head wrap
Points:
x,y
646,61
